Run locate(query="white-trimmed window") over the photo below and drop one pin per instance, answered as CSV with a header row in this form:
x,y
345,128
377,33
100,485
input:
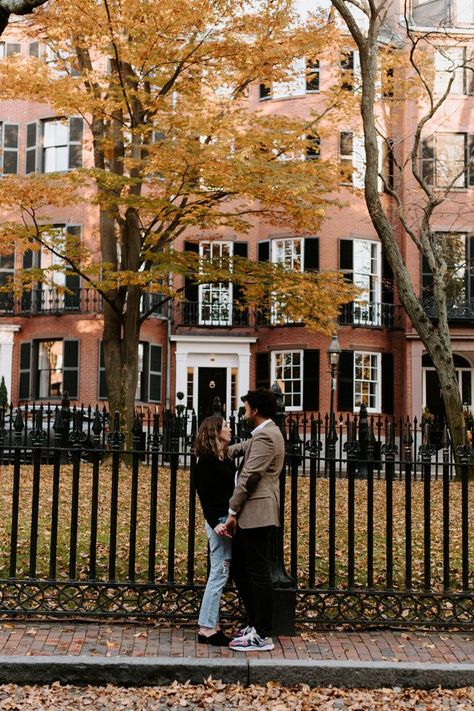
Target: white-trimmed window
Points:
x,y
368,277
61,145
449,64
367,380
346,141
446,160
9,148
288,253
287,370
215,299
9,49
7,271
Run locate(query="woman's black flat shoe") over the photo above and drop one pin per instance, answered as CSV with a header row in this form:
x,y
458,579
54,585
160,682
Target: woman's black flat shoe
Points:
x,y
218,639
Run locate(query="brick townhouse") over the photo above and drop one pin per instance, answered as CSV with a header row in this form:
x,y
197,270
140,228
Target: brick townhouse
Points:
x,y
50,341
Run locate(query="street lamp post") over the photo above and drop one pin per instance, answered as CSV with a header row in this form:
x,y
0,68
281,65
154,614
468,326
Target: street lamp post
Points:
x,y
334,351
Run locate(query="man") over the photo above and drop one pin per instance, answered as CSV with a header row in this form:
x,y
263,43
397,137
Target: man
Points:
x,y
254,510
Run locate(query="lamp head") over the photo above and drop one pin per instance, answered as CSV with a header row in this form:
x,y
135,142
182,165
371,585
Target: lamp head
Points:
x,y
334,351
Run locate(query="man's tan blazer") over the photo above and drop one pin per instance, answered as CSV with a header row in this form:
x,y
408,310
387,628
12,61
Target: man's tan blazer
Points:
x,y
256,497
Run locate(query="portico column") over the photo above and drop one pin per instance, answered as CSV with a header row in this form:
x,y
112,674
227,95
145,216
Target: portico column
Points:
x,y
243,380
7,335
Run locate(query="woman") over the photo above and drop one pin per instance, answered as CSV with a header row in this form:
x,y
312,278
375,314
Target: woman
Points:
x,y
215,474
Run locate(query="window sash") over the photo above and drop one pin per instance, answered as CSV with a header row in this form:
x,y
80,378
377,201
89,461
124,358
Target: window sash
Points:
x,y
449,61
446,160
367,380
287,370
215,299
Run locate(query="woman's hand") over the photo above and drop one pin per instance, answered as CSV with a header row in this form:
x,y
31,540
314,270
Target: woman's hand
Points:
x,y
221,530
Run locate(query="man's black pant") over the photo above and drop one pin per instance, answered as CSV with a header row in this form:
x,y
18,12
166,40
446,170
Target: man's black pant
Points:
x,y
250,569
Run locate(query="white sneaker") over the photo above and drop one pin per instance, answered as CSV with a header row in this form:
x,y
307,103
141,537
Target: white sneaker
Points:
x,y
243,632
252,642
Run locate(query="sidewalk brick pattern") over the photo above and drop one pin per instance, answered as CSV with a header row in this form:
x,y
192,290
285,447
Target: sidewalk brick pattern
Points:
x,y
112,640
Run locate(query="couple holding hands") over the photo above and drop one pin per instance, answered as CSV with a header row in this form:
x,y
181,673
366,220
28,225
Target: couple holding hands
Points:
x,y
241,508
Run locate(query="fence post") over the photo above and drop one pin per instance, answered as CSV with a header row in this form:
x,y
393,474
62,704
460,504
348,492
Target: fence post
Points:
x,y
390,450
352,447
284,587
464,454
426,452
363,441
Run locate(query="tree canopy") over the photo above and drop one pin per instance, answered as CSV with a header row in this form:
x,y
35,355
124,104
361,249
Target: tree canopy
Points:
x,y
176,149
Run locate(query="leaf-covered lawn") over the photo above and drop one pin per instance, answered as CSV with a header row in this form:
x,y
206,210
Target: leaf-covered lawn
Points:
x,y
301,512
227,697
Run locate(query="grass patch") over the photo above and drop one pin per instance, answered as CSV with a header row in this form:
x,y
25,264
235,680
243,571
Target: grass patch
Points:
x,y
179,546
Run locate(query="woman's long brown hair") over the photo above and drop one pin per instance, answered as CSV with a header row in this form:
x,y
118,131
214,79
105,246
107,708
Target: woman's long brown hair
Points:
x,y
208,439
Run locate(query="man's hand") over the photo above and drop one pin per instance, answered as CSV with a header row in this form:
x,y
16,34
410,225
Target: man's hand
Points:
x,y
231,524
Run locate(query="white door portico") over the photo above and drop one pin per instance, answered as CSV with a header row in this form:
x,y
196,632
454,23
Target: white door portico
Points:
x,y
7,334
229,352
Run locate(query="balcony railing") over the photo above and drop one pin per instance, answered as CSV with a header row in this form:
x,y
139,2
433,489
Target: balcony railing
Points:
x,y
41,301
371,315
458,309
196,313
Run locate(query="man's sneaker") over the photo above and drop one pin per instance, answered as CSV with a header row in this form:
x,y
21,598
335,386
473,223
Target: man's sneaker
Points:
x,y
252,642
243,632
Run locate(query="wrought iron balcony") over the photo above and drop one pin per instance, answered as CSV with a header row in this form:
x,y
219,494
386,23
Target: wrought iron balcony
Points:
x,y
458,309
41,301
221,315
371,315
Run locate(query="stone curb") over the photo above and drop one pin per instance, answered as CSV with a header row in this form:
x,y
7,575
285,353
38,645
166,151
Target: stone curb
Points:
x,y
141,671
357,674
122,671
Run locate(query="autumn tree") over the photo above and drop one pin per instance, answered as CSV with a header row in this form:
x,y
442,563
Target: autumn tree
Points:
x,y
384,45
16,7
162,87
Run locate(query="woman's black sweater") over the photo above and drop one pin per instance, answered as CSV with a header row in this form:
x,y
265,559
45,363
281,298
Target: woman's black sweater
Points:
x,y
214,485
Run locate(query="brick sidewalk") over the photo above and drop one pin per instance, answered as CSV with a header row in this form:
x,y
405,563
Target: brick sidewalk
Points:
x,y
114,640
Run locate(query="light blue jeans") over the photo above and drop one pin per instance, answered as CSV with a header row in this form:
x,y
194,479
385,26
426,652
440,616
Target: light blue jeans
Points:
x,y
220,553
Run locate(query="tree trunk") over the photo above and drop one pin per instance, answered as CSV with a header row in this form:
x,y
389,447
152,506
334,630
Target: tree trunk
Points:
x,y
16,7
435,339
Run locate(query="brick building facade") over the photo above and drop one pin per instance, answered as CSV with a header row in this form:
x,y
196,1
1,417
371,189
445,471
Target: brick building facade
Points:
x,y
50,341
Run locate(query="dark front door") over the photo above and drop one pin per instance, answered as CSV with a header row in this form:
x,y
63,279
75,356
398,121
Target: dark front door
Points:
x,y
212,383
434,401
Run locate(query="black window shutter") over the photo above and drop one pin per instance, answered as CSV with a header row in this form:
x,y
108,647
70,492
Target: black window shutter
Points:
x,y
102,383
426,277
471,267
72,300
31,147
346,263
428,160
240,317
387,383
240,249
311,379
387,281
264,251
191,288
75,142
311,254
470,158
262,370
25,371
346,255
345,381
154,373
71,368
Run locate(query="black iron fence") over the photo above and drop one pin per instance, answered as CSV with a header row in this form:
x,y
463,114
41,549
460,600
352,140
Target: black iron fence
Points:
x,y
376,524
